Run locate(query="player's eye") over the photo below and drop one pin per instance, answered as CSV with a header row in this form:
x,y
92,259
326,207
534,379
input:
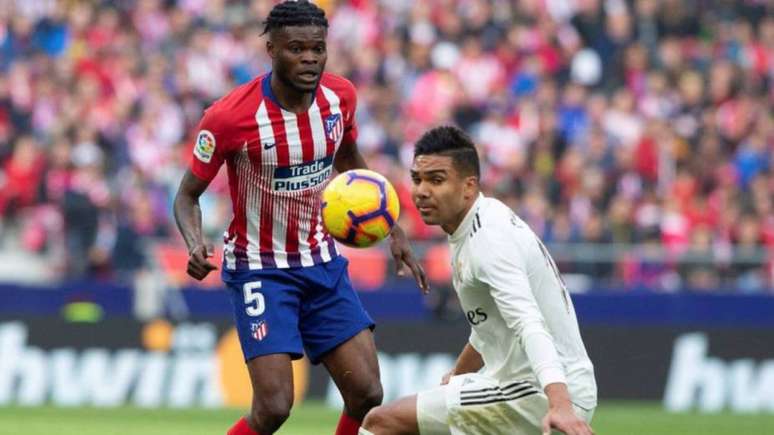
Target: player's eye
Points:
x,y
295,49
437,180
319,49
415,180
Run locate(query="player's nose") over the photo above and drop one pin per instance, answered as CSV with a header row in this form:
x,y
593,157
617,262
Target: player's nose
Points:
x,y
421,190
309,57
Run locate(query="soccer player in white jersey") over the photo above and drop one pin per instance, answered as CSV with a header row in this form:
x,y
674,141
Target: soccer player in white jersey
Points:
x,y
524,369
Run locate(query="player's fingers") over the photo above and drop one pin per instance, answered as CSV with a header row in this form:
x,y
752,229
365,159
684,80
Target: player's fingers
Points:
x,y
580,428
199,267
546,426
396,256
419,274
423,279
195,272
567,430
209,250
562,425
201,274
417,270
199,258
193,265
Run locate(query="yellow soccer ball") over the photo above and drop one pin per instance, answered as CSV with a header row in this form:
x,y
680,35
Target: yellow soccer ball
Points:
x,y
359,208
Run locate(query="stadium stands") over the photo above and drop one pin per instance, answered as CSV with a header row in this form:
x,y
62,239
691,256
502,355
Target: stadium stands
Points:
x,y
636,137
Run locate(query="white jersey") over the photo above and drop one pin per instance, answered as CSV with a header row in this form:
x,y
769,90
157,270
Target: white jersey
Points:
x,y
522,318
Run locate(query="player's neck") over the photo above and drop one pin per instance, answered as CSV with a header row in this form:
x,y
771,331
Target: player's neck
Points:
x,y
450,228
289,98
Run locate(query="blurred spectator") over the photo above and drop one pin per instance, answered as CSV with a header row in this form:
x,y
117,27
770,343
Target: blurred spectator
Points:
x,y
747,268
84,205
698,266
21,177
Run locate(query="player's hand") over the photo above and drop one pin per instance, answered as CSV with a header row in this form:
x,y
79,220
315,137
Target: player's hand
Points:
x,y
401,253
198,264
563,418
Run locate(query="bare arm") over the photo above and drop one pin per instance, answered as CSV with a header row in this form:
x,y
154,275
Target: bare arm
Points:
x,y
188,216
348,157
469,361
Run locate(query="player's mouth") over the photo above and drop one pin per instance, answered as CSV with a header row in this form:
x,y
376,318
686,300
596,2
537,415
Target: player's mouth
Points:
x,y
425,209
309,76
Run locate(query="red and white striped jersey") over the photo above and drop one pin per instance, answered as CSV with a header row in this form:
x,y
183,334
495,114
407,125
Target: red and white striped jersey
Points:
x,y
278,163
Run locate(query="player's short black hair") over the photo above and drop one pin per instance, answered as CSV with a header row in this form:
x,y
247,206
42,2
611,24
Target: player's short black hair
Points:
x,y
295,13
453,142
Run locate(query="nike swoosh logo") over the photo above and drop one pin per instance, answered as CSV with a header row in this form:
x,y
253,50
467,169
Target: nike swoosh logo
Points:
x,y
268,146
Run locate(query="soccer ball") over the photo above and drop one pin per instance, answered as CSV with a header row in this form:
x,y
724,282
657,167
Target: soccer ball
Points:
x,y
359,208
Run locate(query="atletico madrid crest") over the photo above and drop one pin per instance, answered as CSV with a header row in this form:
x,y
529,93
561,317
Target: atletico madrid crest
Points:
x,y
334,127
260,330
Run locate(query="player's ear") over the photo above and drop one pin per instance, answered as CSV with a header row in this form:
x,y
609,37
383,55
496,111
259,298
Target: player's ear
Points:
x,y
270,47
471,185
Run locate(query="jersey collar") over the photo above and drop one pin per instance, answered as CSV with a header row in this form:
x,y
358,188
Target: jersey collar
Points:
x,y
269,93
467,221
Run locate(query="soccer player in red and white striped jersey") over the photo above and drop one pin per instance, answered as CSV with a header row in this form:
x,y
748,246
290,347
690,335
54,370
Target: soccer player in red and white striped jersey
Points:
x,y
278,162
281,136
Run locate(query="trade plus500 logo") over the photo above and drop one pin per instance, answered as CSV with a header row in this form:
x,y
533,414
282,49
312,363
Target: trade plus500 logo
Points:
x,y
303,176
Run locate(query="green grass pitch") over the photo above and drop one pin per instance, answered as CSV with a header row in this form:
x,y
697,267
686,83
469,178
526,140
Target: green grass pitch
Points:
x,y
611,418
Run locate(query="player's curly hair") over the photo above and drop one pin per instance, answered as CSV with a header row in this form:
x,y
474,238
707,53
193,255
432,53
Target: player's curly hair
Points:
x,y
450,141
295,13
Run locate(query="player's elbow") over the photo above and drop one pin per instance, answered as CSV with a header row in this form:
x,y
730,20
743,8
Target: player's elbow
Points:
x,y
187,196
528,328
191,187
183,205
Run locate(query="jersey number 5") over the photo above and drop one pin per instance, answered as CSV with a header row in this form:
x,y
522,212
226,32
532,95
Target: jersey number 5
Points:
x,y
255,304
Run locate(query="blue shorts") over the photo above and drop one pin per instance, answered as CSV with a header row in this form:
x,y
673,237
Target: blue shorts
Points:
x,y
291,310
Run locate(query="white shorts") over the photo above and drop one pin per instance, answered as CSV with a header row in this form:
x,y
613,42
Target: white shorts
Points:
x,y
473,404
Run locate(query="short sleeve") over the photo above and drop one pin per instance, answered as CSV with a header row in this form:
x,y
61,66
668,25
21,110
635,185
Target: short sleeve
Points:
x,y
210,145
350,124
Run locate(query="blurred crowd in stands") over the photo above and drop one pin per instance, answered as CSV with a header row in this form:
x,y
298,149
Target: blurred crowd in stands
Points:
x,y
643,125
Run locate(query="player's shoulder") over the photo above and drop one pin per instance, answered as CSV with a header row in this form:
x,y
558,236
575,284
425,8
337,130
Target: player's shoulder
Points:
x,y
338,84
497,234
495,214
240,100
495,223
